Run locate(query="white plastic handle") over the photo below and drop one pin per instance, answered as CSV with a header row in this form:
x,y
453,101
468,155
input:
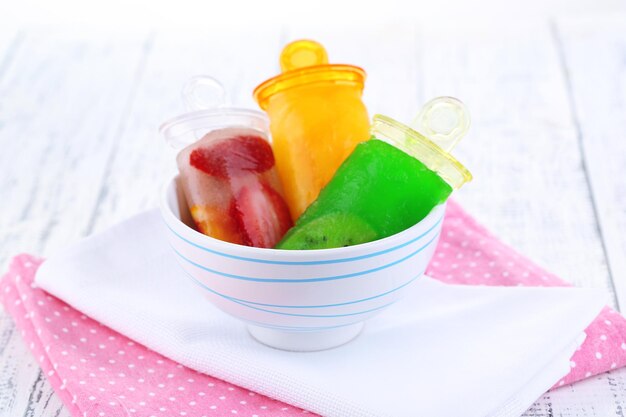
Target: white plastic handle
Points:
x,y
443,120
202,92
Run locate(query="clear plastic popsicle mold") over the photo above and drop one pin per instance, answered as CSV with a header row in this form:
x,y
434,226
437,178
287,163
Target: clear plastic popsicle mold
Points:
x,y
207,103
435,131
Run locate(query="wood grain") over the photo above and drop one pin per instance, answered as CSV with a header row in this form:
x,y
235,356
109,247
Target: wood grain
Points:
x,y
533,191
142,161
594,56
62,102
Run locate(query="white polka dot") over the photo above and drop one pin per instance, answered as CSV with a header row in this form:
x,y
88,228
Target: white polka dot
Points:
x,y
572,364
624,346
91,398
607,322
113,403
613,365
242,402
181,388
213,407
202,394
192,403
172,398
222,398
588,374
598,355
603,337
231,389
142,403
151,394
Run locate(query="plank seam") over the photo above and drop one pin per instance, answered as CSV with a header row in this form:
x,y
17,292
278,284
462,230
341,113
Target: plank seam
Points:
x,y
11,52
560,48
149,43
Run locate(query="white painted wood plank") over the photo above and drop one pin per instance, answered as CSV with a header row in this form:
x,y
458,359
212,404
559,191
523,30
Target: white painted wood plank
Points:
x,y
529,187
594,52
599,396
61,102
142,161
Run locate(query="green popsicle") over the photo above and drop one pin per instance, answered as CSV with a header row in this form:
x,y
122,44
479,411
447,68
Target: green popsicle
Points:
x,y
377,192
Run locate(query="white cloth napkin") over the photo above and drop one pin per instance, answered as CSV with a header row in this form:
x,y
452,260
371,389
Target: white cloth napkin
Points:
x,y
443,351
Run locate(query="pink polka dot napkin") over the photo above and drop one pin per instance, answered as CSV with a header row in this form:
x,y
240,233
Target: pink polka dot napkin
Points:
x,y
98,372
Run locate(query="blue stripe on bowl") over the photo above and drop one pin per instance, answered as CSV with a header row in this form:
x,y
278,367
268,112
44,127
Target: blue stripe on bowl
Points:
x,y
319,279
298,328
329,261
317,316
206,287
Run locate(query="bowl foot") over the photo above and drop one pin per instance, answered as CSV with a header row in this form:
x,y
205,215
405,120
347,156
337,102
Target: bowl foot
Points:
x,y
305,341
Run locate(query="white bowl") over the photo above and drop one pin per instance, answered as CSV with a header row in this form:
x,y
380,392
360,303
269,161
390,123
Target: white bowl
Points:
x,y
296,299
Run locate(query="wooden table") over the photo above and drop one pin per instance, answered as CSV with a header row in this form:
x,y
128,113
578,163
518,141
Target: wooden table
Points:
x,y
80,149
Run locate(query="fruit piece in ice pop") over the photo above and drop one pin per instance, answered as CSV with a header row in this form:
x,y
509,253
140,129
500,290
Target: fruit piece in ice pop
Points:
x,y
226,157
323,233
215,223
261,214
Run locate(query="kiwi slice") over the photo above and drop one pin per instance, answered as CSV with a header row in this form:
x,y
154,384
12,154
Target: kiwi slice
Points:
x,y
332,230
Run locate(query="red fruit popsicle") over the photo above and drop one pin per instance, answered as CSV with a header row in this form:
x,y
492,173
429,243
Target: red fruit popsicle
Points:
x,y
232,188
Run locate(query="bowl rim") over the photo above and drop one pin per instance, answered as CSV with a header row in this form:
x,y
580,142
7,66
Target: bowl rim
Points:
x,y
431,222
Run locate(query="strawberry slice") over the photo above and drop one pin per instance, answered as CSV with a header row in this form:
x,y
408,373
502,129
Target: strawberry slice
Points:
x,y
262,215
230,156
